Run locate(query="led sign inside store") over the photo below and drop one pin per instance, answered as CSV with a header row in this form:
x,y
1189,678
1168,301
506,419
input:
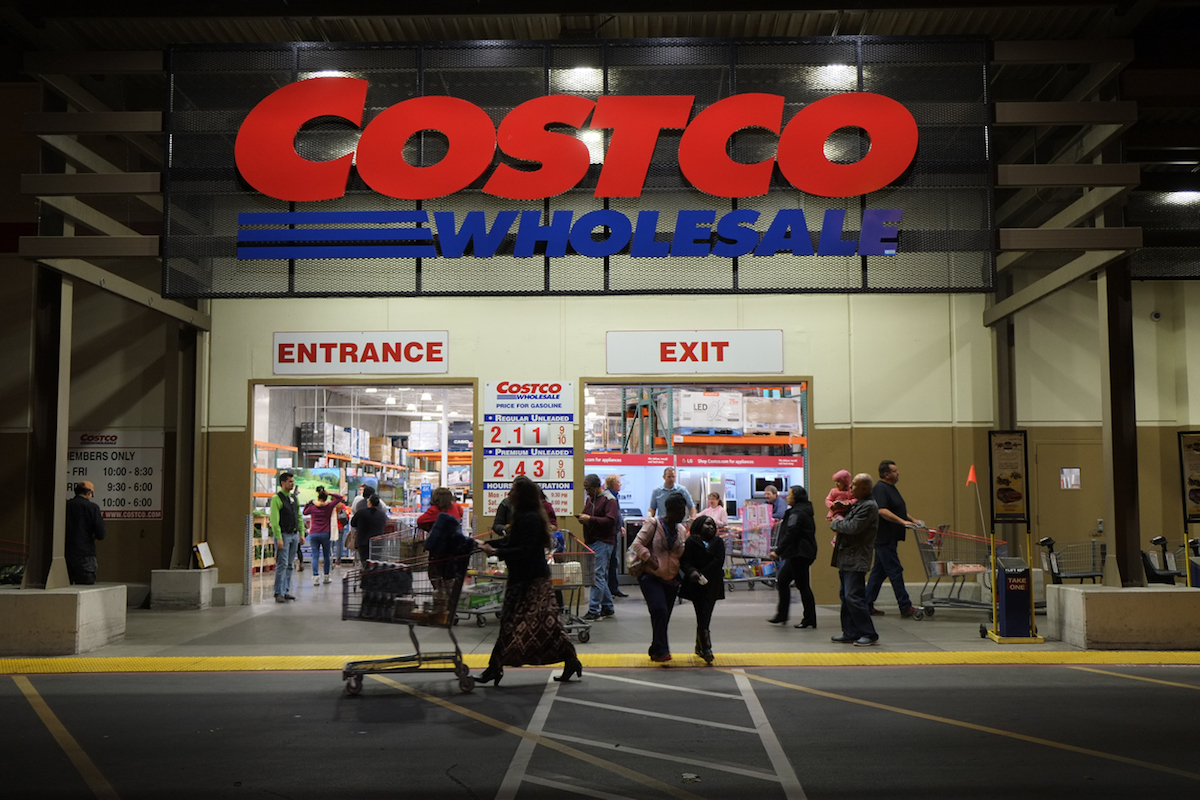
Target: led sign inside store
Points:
x,y
266,156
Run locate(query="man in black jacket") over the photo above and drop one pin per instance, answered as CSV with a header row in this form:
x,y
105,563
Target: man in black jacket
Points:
x,y
852,552
84,526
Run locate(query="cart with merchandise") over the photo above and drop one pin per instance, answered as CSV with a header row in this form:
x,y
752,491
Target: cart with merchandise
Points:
x,y
951,559
574,571
483,593
408,593
749,549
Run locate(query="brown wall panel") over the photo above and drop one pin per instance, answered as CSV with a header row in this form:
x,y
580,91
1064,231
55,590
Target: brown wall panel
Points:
x,y
14,517
229,482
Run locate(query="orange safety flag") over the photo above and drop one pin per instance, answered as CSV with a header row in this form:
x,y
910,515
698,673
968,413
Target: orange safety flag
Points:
x,y
971,477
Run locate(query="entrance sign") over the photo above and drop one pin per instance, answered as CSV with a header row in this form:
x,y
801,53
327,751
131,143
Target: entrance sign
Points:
x,y
694,352
554,168
360,353
126,468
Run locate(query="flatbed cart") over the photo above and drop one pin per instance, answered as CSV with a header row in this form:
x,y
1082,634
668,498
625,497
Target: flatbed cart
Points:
x,y
404,593
951,558
575,570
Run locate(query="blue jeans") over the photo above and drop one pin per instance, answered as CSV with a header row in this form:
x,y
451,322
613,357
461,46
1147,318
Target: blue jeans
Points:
x,y
285,562
660,599
601,598
319,544
887,562
856,614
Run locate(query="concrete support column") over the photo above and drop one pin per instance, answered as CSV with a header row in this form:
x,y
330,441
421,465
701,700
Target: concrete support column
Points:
x,y
1122,523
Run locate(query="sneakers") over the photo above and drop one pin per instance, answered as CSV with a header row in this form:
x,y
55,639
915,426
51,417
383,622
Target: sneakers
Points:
x,y
866,641
906,612
591,616
875,612
316,580
327,580
280,599
607,612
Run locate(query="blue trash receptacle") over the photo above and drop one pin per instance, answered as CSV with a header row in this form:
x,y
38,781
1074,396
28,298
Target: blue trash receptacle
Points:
x,y
1014,597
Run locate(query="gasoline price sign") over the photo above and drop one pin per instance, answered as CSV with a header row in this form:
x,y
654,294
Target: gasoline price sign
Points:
x,y
124,466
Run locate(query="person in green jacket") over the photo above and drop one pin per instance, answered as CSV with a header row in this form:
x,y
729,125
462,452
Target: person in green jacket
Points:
x,y
287,526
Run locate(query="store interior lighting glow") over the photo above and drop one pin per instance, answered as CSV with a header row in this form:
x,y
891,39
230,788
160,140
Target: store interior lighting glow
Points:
x,y
589,401
452,414
439,407
426,417
426,396
391,401
370,390
411,406
838,75
1183,198
595,145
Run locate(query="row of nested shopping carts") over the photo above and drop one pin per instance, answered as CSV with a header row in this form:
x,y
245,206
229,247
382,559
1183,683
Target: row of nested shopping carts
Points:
x,y
400,584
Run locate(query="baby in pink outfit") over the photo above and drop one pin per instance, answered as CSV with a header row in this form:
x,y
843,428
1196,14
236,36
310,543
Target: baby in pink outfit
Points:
x,y
839,499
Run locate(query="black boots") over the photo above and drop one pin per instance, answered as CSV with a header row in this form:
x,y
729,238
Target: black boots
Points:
x,y
704,645
572,667
491,675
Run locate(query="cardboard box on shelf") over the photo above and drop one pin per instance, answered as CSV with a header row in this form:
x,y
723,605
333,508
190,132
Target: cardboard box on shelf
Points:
x,y
705,410
771,414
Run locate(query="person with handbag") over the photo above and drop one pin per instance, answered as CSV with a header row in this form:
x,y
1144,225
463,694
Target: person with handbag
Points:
x,y
797,550
531,631
702,568
654,561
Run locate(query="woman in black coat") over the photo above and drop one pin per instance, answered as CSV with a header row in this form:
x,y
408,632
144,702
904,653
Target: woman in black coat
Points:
x,y
703,557
797,549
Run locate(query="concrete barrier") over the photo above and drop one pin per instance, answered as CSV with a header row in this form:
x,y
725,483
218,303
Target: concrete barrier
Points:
x,y
1115,618
61,622
182,589
227,594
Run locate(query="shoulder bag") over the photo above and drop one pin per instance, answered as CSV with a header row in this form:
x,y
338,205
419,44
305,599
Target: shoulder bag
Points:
x,y
634,565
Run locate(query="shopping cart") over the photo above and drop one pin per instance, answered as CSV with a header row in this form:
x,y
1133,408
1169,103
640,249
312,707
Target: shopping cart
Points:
x,y
574,571
749,552
413,593
1076,560
483,593
951,559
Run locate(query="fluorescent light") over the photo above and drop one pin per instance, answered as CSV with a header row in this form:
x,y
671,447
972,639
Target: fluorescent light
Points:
x,y
325,73
452,414
426,417
411,406
589,401
370,390
426,396
391,401
439,408
1183,198
838,76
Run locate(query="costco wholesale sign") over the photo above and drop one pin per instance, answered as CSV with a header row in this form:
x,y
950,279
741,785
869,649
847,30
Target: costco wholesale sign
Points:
x,y
479,168
126,468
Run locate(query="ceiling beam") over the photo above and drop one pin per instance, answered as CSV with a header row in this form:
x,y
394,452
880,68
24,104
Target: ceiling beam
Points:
x,y
1064,276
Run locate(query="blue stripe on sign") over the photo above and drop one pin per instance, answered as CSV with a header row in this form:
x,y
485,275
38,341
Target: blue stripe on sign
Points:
x,y
336,235
334,251
328,217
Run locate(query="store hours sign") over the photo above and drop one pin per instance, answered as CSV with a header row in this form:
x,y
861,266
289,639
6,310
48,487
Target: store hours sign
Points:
x,y
125,466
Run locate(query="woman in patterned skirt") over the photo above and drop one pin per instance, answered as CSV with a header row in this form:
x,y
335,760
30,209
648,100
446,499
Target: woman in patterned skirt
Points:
x,y
530,629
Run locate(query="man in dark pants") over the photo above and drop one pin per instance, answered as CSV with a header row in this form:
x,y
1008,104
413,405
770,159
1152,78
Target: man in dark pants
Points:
x,y
612,485
893,517
852,556
85,525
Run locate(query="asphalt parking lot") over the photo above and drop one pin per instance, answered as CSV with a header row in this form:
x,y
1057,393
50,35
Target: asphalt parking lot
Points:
x,y
685,732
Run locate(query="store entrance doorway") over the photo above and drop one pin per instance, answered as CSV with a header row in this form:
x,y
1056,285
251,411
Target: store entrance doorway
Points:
x,y
400,441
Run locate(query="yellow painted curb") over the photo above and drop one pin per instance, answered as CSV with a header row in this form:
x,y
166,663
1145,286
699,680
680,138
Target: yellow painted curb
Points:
x,y
874,658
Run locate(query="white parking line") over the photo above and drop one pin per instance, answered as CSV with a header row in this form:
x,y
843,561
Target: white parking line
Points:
x,y
779,760
520,762
676,759
666,686
656,715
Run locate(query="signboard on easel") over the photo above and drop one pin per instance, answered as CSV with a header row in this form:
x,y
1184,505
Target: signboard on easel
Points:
x,y
1008,465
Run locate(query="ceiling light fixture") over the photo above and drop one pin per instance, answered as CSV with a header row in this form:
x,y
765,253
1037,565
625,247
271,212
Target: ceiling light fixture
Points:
x,y
411,406
391,401
370,390
426,396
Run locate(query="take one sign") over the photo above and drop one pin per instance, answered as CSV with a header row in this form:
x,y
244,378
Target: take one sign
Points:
x,y
360,352
695,352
